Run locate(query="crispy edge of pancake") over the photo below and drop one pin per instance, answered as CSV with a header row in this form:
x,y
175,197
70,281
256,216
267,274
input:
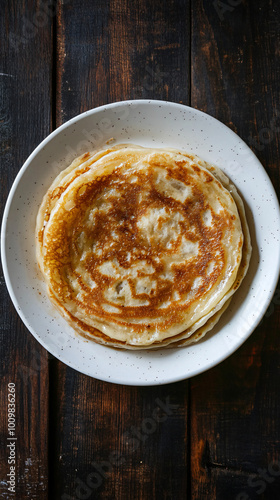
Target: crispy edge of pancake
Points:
x,y
245,261
102,339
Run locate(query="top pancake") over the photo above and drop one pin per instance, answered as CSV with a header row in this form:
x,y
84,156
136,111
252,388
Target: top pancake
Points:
x,y
141,247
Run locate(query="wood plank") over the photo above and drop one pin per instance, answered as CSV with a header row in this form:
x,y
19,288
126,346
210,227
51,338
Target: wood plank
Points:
x,y
235,447
25,88
118,51
109,52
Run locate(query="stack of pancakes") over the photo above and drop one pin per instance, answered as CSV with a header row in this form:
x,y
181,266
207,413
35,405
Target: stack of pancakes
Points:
x,y
142,248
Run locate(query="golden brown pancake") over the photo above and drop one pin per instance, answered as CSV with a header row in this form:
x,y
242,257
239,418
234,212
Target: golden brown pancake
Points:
x,y
141,247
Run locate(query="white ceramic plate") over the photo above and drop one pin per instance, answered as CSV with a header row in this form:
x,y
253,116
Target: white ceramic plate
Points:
x,y
157,124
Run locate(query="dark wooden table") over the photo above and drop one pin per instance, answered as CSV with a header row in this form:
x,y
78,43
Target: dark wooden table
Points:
x,y
77,437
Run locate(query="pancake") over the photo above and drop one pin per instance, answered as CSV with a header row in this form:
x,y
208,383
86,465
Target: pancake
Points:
x,y
142,247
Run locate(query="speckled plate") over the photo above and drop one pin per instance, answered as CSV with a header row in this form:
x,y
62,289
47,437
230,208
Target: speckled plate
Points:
x,y
157,124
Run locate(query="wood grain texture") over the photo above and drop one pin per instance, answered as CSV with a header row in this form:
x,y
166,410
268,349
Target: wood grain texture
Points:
x,y
119,442
112,51
107,442
25,87
235,448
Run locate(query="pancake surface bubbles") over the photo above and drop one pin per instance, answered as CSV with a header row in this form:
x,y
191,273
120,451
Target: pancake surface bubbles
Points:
x,y
142,247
